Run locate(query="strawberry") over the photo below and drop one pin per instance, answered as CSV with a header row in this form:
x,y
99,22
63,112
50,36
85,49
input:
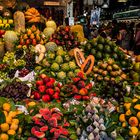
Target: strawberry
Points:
x,y
49,85
50,91
75,79
85,97
42,76
39,82
81,84
41,88
46,98
56,95
37,96
57,89
77,97
46,80
89,86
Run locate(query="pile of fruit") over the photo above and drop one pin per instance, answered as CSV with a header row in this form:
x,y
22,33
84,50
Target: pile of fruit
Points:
x,y
32,36
134,74
128,119
6,23
94,120
9,126
49,124
108,70
79,88
46,88
61,65
64,37
15,90
103,48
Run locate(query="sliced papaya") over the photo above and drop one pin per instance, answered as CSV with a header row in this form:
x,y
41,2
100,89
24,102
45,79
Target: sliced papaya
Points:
x,y
79,56
88,64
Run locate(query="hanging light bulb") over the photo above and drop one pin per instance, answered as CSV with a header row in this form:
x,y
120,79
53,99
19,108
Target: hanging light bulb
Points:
x,y
122,0
105,4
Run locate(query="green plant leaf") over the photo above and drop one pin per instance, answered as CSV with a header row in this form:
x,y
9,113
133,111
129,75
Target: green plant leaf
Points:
x,y
2,116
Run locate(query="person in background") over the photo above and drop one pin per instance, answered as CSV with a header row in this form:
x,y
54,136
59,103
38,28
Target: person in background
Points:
x,y
137,40
115,29
131,31
123,36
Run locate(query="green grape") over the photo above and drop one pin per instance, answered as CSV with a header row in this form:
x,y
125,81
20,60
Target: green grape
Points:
x,y
19,63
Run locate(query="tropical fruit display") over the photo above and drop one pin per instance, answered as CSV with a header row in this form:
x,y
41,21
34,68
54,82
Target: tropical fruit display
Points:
x,y
57,85
64,37
135,71
6,23
32,15
32,36
61,65
103,48
49,124
108,71
128,118
46,88
9,124
79,88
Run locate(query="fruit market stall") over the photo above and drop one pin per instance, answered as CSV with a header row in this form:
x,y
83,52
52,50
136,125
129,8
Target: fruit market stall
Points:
x,y
57,85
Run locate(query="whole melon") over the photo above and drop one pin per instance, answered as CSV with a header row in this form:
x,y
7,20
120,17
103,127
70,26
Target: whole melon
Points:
x,y
51,46
51,24
10,38
48,31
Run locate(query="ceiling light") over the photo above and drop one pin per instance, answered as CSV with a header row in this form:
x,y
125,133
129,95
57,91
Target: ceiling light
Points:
x,y
105,5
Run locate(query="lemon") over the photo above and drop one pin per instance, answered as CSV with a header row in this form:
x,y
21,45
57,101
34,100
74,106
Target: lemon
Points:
x,y
127,105
4,127
122,118
9,120
14,126
133,131
5,113
6,107
4,136
134,100
31,104
12,114
128,112
11,132
15,121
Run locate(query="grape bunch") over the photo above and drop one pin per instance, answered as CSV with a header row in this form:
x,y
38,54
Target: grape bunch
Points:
x,y
20,63
15,90
3,75
23,72
9,58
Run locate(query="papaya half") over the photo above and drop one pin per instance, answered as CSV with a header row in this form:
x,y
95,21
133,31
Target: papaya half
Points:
x,y
88,64
79,56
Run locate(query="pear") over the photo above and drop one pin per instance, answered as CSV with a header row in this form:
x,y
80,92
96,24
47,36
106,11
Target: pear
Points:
x,y
32,36
29,32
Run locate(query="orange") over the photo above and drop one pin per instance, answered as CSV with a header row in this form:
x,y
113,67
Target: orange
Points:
x,y
4,136
6,107
4,127
133,121
11,132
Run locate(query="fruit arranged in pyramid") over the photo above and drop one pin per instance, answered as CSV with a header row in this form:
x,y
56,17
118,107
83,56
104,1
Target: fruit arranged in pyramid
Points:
x,y
61,65
79,88
65,38
108,70
46,88
102,48
32,36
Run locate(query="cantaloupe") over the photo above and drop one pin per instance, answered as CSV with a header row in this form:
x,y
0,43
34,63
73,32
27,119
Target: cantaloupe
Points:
x,y
19,21
10,38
